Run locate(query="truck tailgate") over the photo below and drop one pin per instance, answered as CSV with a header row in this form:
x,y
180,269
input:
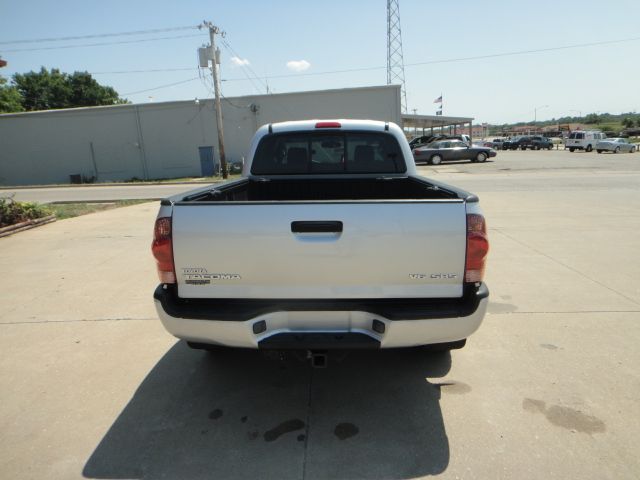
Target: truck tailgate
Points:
x,y
324,250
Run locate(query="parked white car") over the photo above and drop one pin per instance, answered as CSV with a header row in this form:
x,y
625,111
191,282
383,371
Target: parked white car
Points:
x,y
584,140
615,145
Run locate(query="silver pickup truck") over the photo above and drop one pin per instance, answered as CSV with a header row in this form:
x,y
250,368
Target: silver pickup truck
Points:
x,y
330,240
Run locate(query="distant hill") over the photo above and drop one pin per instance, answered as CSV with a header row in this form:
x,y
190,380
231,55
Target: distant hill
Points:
x,y
606,122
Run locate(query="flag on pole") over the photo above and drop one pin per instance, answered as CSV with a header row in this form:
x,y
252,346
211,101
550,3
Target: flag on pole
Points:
x,y
438,100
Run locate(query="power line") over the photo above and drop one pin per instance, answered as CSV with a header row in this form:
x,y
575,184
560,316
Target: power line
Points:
x,y
364,69
311,74
161,86
452,60
429,62
247,67
233,104
155,70
246,74
100,35
206,81
101,43
524,52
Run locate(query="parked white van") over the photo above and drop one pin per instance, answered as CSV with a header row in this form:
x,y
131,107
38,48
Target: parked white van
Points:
x,y
584,140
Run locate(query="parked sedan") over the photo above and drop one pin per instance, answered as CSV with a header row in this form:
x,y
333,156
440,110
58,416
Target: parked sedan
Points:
x,y
496,143
436,152
520,142
541,142
615,145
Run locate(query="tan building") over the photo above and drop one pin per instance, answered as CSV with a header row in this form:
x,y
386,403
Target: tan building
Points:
x,y
163,140
177,139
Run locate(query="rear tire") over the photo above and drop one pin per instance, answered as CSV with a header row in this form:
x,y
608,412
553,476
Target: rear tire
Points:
x,y
436,160
617,150
571,149
599,151
445,347
481,157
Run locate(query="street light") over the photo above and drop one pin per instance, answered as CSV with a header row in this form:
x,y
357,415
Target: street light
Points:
x,y
535,112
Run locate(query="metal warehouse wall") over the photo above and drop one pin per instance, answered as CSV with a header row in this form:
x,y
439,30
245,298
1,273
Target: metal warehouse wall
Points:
x,y
161,140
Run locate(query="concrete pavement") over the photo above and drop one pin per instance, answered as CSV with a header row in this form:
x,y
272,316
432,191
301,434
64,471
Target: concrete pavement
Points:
x,y
547,388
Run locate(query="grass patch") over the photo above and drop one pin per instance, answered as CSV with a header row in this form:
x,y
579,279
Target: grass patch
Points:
x,y
12,212
216,179
70,210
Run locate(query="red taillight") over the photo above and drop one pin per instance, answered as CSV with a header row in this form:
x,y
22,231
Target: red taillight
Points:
x,y
477,248
162,248
328,125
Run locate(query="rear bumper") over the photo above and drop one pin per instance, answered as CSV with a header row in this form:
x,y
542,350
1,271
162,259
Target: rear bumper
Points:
x,y
322,323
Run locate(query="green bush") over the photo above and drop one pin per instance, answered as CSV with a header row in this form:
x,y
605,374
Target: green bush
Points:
x,y
12,212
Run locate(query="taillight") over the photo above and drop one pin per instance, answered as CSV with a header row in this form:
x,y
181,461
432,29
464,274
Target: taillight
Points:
x,y
477,248
162,248
328,125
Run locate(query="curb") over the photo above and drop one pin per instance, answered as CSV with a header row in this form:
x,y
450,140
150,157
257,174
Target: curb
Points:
x,y
102,200
20,227
123,184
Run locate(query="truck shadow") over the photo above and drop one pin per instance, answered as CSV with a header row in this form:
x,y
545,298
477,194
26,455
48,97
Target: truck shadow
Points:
x,y
238,414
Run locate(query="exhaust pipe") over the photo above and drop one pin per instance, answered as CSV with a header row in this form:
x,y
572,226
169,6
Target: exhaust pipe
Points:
x,y
318,359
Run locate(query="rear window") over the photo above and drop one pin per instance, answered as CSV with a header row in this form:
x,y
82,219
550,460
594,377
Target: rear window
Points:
x,y
577,136
327,152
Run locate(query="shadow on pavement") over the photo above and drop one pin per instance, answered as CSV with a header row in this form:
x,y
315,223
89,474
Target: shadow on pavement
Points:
x,y
238,414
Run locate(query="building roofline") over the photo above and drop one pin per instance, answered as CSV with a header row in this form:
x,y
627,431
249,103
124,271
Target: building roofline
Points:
x,y
183,102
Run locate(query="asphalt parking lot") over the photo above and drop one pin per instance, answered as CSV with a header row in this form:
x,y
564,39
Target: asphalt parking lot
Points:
x,y
549,387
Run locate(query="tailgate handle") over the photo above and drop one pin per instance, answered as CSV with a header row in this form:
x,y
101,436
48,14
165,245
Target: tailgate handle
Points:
x,y
317,227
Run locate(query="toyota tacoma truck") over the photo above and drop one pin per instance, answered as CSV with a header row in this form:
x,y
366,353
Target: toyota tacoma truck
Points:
x,y
330,240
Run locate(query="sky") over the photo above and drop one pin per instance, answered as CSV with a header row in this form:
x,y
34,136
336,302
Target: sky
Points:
x,y
290,45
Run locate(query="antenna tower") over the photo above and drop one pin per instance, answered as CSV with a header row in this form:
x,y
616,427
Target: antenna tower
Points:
x,y
395,62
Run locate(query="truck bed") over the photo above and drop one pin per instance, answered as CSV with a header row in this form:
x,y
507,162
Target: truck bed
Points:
x,y
328,189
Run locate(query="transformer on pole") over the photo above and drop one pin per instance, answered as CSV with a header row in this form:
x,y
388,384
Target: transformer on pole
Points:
x,y
395,62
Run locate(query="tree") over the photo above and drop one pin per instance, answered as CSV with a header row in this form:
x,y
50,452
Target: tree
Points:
x,y
86,91
10,100
627,122
46,89
592,118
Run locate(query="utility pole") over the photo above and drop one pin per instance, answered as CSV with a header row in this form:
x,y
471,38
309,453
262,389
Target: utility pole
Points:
x,y
213,31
